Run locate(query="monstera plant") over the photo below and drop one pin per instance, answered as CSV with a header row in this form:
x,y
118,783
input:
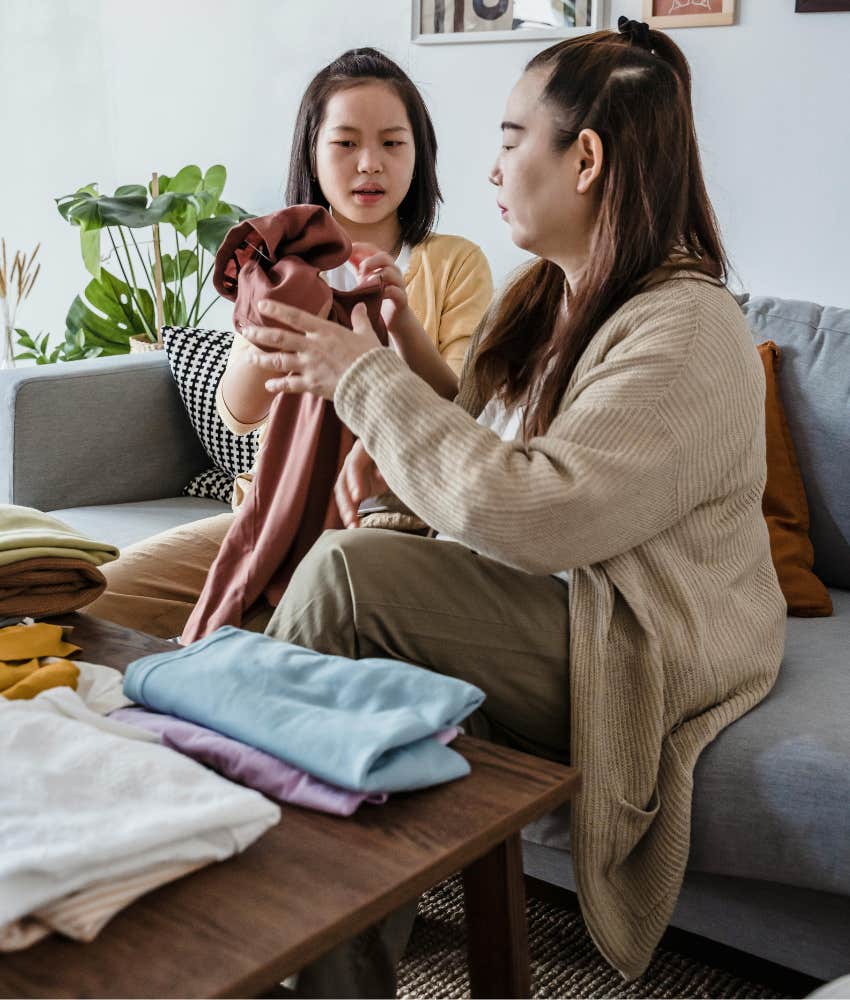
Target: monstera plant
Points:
x,y
166,234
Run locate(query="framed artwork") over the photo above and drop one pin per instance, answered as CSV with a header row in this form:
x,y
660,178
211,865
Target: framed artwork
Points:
x,y
821,6
688,13
439,21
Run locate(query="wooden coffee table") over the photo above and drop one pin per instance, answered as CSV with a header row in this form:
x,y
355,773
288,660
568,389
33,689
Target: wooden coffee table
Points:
x,y
238,928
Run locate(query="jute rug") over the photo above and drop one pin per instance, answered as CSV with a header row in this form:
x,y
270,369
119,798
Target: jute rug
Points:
x,y
564,961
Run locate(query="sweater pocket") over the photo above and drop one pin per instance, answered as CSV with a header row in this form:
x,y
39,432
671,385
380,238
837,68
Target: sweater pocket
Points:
x,y
631,869
632,824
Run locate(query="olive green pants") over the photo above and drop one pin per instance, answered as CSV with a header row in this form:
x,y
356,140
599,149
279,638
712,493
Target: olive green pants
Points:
x,y
442,606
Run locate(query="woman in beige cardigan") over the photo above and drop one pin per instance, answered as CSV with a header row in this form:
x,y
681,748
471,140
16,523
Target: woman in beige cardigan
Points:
x,y
609,581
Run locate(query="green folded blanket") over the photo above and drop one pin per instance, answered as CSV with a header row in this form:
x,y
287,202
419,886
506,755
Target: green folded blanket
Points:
x,y
26,533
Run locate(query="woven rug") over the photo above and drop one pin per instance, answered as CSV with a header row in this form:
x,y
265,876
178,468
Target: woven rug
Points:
x,y
564,961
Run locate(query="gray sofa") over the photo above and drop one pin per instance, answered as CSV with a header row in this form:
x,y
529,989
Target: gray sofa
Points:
x,y
106,445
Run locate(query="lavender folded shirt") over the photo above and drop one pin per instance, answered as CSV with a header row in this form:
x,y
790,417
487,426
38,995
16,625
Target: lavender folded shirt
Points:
x,y
254,768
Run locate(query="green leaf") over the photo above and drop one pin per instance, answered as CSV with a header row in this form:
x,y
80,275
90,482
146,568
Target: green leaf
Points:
x,y
85,213
27,356
67,201
186,181
25,340
174,308
188,265
164,182
136,190
211,232
214,180
90,249
206,203
109,318
129,210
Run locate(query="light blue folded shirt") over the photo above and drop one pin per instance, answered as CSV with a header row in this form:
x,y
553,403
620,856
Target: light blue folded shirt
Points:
x,y
366,725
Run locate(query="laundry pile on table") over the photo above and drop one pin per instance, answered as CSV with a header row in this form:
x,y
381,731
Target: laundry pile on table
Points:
x,y
98,808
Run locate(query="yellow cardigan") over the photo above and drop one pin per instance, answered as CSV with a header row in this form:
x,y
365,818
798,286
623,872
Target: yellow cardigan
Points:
x,y
449,287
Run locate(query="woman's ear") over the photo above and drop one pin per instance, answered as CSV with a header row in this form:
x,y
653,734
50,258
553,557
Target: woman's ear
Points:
x,y
589,151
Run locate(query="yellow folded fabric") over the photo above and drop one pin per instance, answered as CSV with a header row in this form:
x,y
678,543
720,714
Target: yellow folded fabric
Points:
x,y
27,533
11,673
60,673
23,642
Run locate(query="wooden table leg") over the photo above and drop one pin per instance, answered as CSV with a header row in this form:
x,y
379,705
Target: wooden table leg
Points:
x,y
494,895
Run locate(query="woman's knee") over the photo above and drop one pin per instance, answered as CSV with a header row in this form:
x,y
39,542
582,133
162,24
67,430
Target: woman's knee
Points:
x,y
316,611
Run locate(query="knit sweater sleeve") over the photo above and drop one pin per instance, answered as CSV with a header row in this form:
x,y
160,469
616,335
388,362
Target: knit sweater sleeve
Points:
x,y
601,481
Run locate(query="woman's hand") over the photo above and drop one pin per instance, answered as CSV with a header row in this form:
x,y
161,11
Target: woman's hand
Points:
x,y
373,263
309,354
358,478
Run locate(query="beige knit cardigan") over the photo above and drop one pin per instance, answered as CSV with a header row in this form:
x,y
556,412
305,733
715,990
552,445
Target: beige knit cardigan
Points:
x,y
648,487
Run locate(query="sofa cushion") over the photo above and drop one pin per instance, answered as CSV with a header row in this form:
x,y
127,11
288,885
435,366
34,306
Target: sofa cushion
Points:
x,y
814,381
198,358
771,792
123,524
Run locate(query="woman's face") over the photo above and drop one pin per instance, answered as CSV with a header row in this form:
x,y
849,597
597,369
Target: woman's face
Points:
x,y
365,152
537,184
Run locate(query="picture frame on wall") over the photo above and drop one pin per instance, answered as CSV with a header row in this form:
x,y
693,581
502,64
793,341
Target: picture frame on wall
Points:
x,y
821,6
437,22
688,13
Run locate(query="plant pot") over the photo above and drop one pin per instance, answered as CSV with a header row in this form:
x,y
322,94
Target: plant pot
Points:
x,y
139,342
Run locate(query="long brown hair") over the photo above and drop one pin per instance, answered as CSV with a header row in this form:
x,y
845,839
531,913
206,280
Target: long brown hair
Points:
x,y
653,212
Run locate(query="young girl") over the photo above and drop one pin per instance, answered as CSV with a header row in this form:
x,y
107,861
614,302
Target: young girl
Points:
x,y
365,149
609,582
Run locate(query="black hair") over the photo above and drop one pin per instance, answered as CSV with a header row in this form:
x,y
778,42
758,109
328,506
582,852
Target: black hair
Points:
x,y
417,212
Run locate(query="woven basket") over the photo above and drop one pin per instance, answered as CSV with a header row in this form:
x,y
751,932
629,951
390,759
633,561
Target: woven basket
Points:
x,y
139,342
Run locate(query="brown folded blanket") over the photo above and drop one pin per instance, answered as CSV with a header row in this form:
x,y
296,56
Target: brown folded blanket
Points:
x,y
49,585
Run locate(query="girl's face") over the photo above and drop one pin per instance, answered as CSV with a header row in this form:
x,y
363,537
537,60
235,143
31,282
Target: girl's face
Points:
x,y
540,189
365,153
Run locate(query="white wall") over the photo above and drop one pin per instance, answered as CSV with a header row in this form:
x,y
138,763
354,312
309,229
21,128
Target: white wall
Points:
x,y
108,90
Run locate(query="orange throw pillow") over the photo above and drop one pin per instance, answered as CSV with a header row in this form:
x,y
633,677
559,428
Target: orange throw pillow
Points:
x,y
785,507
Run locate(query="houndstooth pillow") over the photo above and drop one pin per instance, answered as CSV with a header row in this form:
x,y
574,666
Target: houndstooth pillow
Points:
x,y
197,358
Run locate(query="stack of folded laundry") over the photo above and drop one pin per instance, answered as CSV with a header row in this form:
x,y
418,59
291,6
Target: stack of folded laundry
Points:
x,y
46,568
98,808
367,726
96,813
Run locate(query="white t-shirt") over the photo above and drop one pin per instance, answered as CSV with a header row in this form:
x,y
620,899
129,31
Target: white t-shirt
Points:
x,y
508,425
344,277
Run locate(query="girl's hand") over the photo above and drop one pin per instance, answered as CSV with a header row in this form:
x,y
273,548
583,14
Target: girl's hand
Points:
x,y
374,263
310,354
358,478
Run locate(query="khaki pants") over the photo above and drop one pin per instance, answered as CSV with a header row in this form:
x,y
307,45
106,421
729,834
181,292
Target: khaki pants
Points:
x,y
153,585
440,605
370,592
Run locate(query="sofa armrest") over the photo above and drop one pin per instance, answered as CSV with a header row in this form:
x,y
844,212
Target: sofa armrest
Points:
x,y
109,430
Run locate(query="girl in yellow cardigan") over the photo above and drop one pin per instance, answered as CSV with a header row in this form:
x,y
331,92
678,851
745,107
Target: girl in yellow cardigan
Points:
x,y
364,148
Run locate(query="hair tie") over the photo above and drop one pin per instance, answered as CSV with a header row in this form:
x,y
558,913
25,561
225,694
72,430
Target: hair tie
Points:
x,y
637,32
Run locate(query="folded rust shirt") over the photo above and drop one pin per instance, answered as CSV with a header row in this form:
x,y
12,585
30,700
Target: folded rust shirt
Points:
x,y
291,502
